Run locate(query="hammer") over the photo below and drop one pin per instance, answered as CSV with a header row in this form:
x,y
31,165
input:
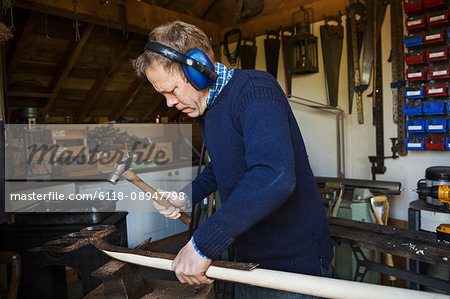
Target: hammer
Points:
x,y
120,170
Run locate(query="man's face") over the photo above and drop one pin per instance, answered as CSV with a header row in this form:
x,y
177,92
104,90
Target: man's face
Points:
x,y
177,91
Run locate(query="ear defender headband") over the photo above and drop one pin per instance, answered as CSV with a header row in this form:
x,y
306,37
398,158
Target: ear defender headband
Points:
x,y
197,67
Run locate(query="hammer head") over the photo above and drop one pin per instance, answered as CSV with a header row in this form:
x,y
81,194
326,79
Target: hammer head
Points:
x,y
119,169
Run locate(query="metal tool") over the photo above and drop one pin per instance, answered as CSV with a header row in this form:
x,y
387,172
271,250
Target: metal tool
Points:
x,y
354,45
272,50
368,49
332,37
93,235
398,72
121,170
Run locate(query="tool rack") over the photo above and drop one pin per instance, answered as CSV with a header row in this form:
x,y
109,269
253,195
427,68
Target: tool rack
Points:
x,y
427,106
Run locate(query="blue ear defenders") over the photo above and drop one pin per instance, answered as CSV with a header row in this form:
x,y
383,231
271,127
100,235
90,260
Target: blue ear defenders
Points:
x,y
197,67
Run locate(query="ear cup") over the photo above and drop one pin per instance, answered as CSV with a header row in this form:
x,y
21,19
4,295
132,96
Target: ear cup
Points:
x,y
197,79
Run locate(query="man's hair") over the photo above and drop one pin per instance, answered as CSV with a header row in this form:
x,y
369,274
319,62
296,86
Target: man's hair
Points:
x,y
179,36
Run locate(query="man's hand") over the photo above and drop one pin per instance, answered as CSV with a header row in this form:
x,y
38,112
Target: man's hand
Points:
x,y
190,267
179,203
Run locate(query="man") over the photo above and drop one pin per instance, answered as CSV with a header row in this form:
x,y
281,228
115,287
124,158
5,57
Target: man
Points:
x,y
271,208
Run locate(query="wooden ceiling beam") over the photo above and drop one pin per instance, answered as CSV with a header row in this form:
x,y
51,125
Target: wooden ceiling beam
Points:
x,y
104,77
201,7
259,25
127,98
28,94
151,107
22,39
67,62
141,17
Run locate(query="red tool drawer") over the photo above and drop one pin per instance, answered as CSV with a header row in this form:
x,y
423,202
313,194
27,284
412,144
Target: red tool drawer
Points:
x,y
439,72
437,55
413,7
416,74
415,57
416,23
435,142
435,37
436,90
434,4
437,19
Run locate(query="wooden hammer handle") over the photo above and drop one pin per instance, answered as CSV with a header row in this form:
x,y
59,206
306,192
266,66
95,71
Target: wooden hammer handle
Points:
x,y
133,178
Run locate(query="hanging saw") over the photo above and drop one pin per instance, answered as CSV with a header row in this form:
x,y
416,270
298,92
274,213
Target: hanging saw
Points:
x,y
355,33
332,37
368,43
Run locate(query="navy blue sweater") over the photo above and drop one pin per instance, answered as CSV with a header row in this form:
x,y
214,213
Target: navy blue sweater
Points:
x,y
271,206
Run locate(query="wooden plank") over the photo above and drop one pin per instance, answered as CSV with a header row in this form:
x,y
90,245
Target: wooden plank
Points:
x,y
67,62
20,45
151,107
126,99
141,16
417,245
173,113
104,76
259,25
27,94
201,7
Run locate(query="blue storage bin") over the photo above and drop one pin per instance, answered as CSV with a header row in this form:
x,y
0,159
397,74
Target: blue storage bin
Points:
x,y
412,108
432,108
415,125
413,41
447,143
436,125
415,143
414,93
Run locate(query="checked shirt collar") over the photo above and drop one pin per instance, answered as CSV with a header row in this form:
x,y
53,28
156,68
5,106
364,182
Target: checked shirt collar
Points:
x,y
224,76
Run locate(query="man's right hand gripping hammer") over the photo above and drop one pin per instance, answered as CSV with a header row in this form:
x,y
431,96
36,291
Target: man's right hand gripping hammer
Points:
x,y
169,204
178,201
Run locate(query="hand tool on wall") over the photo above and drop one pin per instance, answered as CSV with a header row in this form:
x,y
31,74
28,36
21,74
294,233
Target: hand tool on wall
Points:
x,y
120,170
248,53
368,45
398,72
355,33
332,37
272,51
383,221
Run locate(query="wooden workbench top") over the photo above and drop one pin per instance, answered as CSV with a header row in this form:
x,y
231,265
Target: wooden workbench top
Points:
x,y
417,245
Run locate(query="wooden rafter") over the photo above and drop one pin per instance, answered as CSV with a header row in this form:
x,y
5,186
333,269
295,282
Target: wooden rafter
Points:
x,y
127,98
172,114
27,94
104,77
201,7
259,25
68,60
22,39
141,16
151,107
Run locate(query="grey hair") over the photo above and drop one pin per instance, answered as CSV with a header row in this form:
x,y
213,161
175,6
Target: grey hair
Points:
x,y
179,36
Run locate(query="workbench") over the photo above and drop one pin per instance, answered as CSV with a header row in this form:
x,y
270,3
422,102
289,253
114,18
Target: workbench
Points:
x,y
416,245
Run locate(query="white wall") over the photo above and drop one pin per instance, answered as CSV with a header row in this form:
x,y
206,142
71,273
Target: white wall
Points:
x,y
319,128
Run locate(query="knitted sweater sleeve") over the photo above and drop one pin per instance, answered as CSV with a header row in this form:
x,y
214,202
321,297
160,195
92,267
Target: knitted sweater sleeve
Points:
x,y
203,185
270,178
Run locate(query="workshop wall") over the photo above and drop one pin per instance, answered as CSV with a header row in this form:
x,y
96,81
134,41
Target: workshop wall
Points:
x,y
319,128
